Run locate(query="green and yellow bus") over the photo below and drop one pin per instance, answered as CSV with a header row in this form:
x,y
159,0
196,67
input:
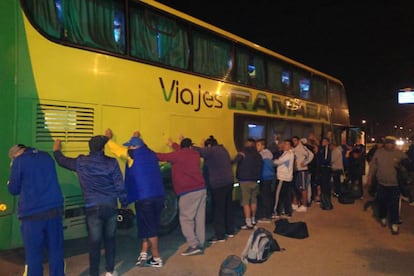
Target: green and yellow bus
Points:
x,y
72,68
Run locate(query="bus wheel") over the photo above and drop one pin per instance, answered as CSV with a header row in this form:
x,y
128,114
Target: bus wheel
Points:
x,y
169,215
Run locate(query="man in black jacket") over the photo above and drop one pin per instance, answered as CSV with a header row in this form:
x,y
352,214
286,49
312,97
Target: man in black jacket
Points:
x,y
219,178
249,167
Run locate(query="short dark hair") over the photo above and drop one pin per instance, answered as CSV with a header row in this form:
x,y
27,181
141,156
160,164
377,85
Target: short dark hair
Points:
x,y
261,141
211,141
289,141
296,137
186,143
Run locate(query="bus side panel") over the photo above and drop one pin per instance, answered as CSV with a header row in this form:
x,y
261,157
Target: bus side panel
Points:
x,y
16,76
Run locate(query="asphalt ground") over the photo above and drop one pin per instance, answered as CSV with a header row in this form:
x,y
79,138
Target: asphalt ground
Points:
x,y
344,241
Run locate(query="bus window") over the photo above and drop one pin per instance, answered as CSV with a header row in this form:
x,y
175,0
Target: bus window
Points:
x,y
334,95
286,79
301,85
119,29
157,38
274,71
319,90
304,88
250,68
255,131
211,55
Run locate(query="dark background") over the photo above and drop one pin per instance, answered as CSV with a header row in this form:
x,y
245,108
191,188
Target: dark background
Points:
x,y
369,45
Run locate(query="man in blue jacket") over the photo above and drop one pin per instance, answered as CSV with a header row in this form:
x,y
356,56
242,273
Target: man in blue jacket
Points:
x,y
249,168
102,184
146,189
33,177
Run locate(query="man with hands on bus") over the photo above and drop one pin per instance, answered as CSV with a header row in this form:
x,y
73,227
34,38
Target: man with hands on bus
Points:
x,y
102,184
189,185
33,177
145,188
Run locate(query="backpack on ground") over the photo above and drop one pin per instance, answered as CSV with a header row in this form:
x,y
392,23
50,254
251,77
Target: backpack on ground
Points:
x,y
232,266
297,230
260,246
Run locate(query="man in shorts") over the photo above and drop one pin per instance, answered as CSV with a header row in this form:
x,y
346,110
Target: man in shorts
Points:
x,y
145,188
249,168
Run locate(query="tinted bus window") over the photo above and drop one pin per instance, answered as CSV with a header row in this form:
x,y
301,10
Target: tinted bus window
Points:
x,y
211,55
82,22
274,73
250,68
157,38
319,90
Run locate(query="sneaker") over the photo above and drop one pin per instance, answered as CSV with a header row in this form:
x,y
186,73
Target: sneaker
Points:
x,y
302,209
246,227
254,222
154,262
191,251
142,259
230,235
114,273
215,240
264,220
383,222
294,207
395,229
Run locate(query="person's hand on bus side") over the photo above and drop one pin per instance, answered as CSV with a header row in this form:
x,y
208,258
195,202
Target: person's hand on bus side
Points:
x,y
108,133
57,145
170,142
136,134
203,141
180,138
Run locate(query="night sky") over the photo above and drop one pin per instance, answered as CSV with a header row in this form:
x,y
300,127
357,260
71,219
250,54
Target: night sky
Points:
x,y
369,45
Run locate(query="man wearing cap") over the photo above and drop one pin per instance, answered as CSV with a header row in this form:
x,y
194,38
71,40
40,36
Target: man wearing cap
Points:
x,y
102,184
383,167
33,177
188,183
145,188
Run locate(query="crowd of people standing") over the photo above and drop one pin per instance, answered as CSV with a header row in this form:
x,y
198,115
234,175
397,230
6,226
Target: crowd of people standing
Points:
x,y
274,182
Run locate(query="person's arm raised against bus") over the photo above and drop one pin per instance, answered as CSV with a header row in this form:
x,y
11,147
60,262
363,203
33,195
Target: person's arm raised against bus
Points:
x,y
63,161
116,149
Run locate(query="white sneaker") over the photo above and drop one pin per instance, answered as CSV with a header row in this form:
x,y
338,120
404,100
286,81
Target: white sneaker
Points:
x,y
114,273
294,207
302,209
142,259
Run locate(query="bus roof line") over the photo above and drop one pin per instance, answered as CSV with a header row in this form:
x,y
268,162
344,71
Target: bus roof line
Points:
x,y
236,38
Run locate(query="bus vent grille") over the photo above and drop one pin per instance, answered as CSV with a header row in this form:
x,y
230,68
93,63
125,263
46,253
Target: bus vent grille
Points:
x,y
65,122
74,206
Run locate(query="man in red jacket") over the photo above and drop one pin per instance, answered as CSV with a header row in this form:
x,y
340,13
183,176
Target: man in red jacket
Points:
x,y
189,185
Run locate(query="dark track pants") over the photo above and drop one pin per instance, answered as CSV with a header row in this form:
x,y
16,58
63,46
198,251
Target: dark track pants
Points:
x,y
223,220
40,234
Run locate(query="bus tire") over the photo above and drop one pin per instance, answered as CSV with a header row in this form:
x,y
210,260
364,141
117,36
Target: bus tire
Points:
x,y
169,215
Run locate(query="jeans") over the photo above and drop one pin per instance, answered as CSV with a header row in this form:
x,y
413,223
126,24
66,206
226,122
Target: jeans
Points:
x,y
101,223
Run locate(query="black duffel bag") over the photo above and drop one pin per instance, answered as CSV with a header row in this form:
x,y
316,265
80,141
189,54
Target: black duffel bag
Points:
x,y
296,230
